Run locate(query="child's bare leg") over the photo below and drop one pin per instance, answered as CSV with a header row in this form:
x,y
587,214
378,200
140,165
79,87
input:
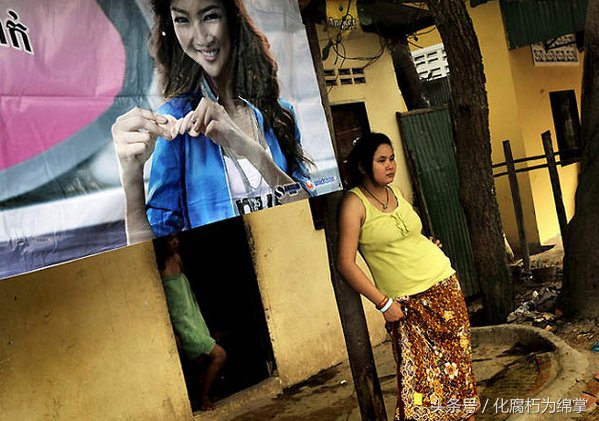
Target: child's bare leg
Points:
x,y
218,356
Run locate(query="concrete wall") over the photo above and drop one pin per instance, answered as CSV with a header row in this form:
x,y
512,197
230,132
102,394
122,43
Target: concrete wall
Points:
x,y
292,268
380,93
90,340
504,117
533,85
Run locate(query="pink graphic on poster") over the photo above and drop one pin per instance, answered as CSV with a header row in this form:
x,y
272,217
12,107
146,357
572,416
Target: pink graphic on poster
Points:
x,y
70,78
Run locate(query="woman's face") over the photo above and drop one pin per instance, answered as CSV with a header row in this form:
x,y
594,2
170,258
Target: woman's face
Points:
x,y
172,244
203,32
383,165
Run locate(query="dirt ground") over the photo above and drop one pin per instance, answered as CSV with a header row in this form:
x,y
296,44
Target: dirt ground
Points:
x,y
536,299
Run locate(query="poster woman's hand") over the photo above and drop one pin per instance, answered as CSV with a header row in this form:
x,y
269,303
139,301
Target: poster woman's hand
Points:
x,y
184,125
215,122
134,134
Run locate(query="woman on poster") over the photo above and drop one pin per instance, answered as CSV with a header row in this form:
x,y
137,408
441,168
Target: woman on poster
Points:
x,y
224,144
414,287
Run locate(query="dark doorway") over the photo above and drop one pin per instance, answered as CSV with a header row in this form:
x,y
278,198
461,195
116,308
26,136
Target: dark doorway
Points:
x,y
349,121
219,266
567,125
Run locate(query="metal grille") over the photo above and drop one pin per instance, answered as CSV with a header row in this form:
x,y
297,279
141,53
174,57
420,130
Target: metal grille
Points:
x,y
431,62
345,76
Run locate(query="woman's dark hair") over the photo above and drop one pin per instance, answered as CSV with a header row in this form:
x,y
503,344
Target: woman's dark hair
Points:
x,y
162,251
359,160
253,69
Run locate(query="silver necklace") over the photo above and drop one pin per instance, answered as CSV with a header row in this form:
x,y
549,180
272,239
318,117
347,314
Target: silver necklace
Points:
x,y
259,137
384,205
250,190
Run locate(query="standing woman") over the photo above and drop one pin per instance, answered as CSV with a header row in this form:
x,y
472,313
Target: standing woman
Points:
x,y
224,143
414,287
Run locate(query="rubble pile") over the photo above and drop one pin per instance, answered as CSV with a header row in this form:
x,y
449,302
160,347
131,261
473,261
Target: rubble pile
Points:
x,y
538,310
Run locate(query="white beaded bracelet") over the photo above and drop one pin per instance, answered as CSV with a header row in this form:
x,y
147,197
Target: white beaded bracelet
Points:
x,y
386,306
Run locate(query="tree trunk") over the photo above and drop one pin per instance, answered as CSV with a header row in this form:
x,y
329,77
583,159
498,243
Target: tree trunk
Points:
x,y
473,154
407,77
581,260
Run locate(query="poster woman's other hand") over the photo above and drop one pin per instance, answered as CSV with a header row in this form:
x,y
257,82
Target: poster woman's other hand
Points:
x,y
134,135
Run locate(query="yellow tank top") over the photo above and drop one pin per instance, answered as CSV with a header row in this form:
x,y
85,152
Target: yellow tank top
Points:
x,y
402,260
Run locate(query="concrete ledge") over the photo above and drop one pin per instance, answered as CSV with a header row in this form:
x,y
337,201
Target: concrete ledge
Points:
x,y
270,387
571,368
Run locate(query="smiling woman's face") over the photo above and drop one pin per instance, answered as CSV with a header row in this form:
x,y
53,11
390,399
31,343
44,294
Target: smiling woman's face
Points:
x,y
202,29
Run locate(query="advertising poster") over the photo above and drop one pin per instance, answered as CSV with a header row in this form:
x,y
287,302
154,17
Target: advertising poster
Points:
x,y
120,121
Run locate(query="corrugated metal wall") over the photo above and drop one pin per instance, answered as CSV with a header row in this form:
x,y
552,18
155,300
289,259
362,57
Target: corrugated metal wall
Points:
x,y
530,21
428,136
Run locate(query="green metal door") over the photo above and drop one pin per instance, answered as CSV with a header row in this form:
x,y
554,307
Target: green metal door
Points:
x,y
428,141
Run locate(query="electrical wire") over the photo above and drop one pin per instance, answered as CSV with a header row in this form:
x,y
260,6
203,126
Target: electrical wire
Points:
x,y
340,50
418,34
413,44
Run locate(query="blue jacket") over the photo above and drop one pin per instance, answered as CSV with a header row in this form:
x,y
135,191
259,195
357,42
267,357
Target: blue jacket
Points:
x,y
188,184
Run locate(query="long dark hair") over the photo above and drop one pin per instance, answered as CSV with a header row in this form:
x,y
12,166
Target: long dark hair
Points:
x,y
253,70
161,251
359,160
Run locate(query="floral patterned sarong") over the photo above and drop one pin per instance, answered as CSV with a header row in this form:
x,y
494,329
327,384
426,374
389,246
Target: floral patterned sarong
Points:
x,y
434,356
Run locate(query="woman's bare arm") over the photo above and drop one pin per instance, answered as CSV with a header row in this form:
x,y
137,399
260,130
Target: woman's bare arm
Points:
x,y
134,135
214,121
